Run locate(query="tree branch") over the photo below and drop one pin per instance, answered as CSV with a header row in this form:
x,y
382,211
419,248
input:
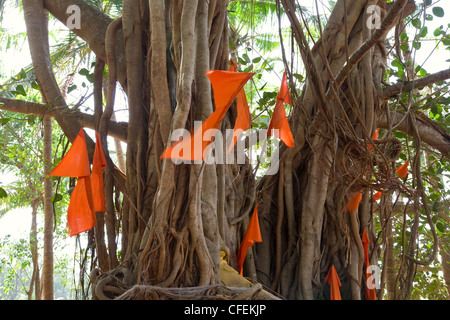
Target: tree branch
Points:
x,y
115,130
94,24
406,86
429,131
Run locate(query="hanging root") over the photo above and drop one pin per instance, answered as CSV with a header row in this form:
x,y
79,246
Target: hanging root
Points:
x,y
211,292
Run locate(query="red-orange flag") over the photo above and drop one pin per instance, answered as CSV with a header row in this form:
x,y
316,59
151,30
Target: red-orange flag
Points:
x,y
226,85
76,161
334,282
279,121
243,119
374,137
353,202
80,214
370,293
403,170
377,196
98,163
252,235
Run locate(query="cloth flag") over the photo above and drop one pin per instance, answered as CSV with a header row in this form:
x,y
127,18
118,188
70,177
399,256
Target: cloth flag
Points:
x,y
353,202
334,282
80,213
98,163
226,86
76,161
252,235
370,293
243,119
374,137
377,196
279,121
403,170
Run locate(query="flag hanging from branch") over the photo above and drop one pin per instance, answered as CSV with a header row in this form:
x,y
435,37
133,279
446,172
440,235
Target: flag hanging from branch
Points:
x,y
75,164
279,121
370,292
226,85
377,196
98,163
334,282
402,171
374,137
353,202
76,161
252,235
243,119
80,213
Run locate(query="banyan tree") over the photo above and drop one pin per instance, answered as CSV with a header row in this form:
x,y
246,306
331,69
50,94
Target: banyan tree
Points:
x,y
166,224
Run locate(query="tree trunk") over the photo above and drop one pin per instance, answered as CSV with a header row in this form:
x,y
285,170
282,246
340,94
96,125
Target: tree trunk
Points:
x,y
47,267
35,281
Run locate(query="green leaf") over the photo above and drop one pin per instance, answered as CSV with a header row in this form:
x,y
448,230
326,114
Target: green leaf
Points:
x,y
34,85
71,88
84,72
438,12
416,23
256,60
437,32
20,90
424,32
3,193
4,121
57,197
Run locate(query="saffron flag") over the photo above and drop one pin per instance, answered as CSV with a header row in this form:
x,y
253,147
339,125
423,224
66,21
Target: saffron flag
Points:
x,y
76,161
374,137
334,282
403,170
243,120
80,214
252,235
370,292
279,121
353,202
98,163
377,196
226,85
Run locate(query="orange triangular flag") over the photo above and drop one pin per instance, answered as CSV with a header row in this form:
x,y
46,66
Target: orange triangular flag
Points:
x,y
252,235
403,170
226,85
377,196
334,282
353,202
279,121
370,293
243,119
374,137
80,214
76,161
98,163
